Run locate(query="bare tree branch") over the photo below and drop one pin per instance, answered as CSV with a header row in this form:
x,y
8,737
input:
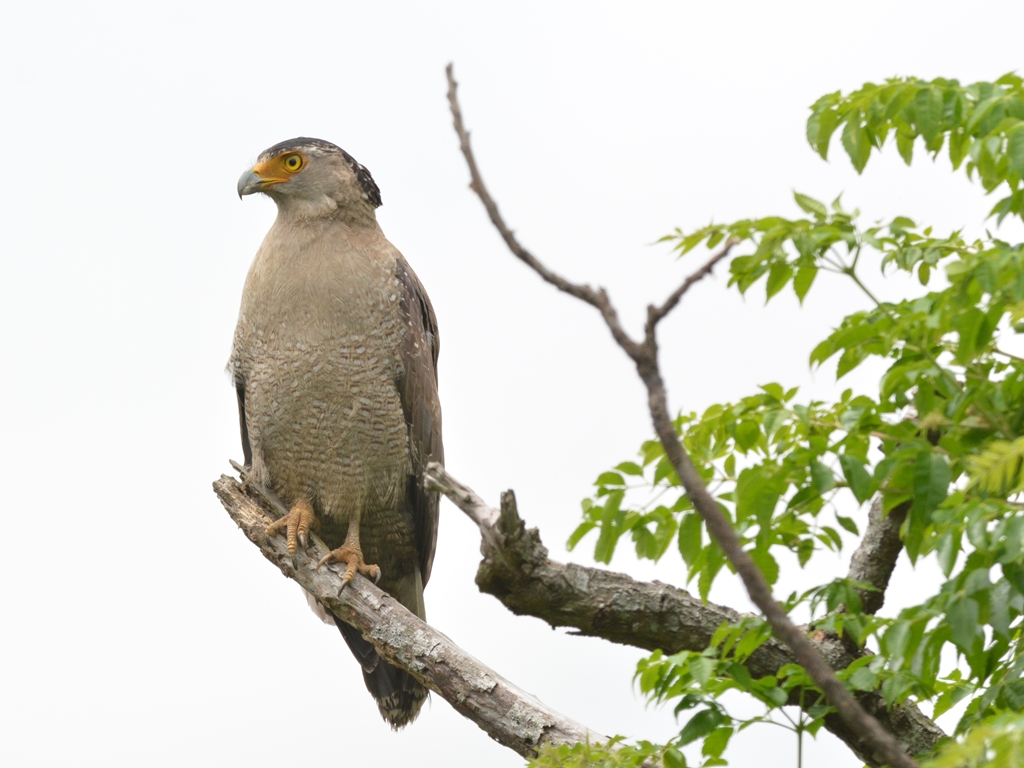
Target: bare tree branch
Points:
x,y
875,558
508,714
645,357
649,615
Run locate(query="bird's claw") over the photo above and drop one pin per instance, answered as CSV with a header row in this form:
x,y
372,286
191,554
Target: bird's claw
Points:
x,y
243,473
296,525
353,559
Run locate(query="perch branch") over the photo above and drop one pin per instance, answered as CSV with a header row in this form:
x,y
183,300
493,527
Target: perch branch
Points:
x,y
645,357
509,715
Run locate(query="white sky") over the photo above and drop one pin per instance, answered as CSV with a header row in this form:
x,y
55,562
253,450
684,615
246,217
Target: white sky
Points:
x,y
140,628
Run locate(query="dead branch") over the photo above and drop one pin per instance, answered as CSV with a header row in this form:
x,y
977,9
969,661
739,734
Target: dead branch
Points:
x,y
650,615
645,357
509,715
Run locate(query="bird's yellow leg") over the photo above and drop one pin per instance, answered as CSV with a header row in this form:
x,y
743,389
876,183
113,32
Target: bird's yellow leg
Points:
x,y
296,525
351,554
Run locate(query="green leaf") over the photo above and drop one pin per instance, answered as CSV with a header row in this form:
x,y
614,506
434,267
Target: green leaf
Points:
x,y
827,122
757,493
857,477
823,352
747,434
1015,151
581,530
958,144
701,668
962,617
811,206
700,725
822,477
856,141
967,325
778,276
981,112
767,565
924,272
863,679
715,561
905,146
947,551
931,486
690,538
609,478
999,468
928,111
730,465
802,281
716,742
610,530
671,757
630,468
848,524
1014,573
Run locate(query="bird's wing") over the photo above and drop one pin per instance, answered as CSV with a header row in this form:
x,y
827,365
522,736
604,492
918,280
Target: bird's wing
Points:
x,y
417,387
246,448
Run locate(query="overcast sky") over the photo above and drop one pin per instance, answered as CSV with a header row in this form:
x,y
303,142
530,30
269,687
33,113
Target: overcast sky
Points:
x,y
139,626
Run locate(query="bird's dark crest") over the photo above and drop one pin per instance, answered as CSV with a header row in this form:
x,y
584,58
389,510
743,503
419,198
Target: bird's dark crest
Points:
x,y
369,186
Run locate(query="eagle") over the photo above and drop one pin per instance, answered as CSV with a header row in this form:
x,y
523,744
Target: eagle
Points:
x,y
334,363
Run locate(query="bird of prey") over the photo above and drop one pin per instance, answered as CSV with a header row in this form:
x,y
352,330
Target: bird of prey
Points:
x,y
335,366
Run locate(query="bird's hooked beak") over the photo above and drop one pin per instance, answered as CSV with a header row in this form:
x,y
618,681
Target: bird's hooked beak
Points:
x,y
257,179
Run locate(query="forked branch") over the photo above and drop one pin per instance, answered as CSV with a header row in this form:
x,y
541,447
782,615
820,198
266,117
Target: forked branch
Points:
x,y
596,602
645,356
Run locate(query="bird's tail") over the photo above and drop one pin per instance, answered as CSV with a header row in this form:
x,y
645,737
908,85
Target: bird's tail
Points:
x,y
399,696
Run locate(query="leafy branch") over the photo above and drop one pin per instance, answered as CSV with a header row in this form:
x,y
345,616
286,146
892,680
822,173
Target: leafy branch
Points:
x,y
644,355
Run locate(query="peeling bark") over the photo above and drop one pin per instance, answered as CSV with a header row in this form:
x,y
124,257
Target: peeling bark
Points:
x,y
509,715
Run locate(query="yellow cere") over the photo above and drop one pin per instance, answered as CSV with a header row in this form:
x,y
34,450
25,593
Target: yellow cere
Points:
x,y
279,169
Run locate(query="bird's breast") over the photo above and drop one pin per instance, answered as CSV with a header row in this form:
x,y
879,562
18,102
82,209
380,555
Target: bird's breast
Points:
x,y
318,347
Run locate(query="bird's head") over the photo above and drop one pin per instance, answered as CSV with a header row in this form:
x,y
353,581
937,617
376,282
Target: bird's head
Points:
x,y
312,177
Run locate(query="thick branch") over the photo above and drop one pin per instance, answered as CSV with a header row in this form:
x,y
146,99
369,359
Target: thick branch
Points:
x,y
876,555
650,615
645,356
508,714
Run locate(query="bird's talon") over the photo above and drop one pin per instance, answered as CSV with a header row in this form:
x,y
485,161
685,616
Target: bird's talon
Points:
x,y
296,525
352,557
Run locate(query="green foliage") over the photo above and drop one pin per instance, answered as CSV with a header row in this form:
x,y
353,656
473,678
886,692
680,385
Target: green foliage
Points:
x,y
981,123
612,754
996,743
943,437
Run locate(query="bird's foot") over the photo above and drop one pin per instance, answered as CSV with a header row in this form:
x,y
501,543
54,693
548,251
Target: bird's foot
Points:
x,y
353,559
296,525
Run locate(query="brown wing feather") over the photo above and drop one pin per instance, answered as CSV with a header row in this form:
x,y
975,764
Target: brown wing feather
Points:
x,y
418,389
246,448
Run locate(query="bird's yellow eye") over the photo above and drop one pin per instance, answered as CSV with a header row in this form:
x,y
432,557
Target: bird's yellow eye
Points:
x,y
293,163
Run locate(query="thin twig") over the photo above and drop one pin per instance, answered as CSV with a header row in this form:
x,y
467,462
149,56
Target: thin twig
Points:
x,y
654,314
645,356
